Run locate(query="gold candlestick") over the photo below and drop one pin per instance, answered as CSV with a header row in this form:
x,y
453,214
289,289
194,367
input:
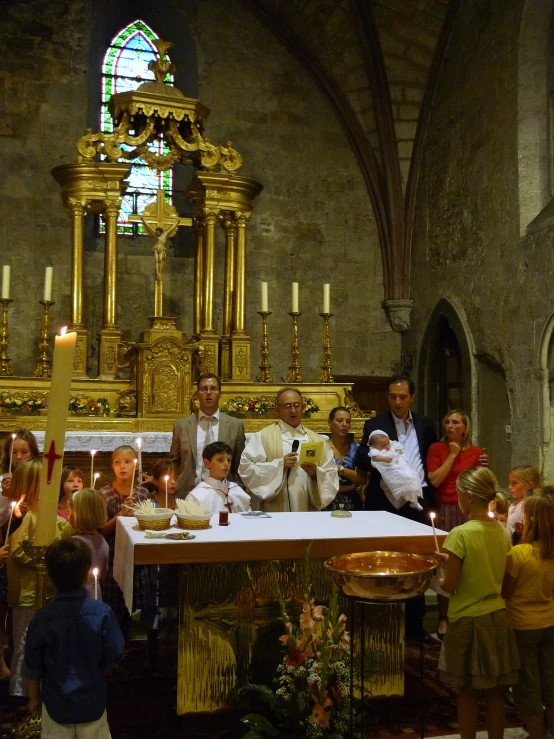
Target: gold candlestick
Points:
x,y
326,374
5,367
264,375
44,365
294,374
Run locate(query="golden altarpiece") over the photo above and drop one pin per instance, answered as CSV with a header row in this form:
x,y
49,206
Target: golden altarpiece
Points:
x,y
163,363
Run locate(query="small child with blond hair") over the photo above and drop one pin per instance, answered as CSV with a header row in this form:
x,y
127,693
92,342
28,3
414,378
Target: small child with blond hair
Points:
x,y
87,514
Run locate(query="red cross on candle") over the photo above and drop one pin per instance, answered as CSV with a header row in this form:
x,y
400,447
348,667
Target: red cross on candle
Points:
x,y
51,457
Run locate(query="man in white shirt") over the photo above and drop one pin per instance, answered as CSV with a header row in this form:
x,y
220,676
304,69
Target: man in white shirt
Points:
x,y
192,433
269,466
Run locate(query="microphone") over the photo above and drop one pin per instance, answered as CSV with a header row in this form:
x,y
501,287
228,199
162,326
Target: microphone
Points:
x,y
295,445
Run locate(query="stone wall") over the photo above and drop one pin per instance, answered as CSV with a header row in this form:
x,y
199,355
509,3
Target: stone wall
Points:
x,y
312,223
467,237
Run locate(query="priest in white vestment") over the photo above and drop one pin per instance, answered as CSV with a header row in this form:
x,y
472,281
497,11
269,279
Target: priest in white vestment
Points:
x,y
269,467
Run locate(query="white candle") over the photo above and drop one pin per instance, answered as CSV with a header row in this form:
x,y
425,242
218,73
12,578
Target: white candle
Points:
x,y
135,462
432,517
13,504
11,454
92,478
54,440
49,273
6,271
96,476
326,298
139,446
265,297
295,297
166,478
95,573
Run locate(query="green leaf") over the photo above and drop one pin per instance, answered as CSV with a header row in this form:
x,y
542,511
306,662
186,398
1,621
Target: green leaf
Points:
x,y
259,724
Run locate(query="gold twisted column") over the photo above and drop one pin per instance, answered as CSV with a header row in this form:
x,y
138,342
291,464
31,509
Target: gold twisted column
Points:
x,y
264,375
240,340
326,373
230,229
77,210
198,277
208,336
110,336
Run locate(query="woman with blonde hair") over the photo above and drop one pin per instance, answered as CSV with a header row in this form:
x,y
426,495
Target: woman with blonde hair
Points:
x,y
446,460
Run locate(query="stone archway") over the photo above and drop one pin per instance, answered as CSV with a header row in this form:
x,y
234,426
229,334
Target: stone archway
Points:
x,y
547,401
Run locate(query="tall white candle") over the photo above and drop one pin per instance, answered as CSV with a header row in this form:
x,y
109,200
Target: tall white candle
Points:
x,y
135,462
54,440
265,297
11,454
95,573
6,271
295,297
12,504
326,298
166,478
139,446
432,517
49,273
92,453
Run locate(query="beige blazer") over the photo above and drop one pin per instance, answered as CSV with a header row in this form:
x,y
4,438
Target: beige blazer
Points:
x,y
183,448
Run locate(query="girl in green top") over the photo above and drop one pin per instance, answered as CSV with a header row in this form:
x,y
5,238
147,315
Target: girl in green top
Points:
x,y
527,587
479,651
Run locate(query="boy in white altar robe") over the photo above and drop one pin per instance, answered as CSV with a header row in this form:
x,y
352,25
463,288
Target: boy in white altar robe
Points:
x,y
215,492
269,464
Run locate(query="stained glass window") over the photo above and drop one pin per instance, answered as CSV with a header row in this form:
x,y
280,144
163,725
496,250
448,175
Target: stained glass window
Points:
x,y
125,67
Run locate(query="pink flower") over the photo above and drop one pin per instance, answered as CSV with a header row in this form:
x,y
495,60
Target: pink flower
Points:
x,y
317,613
307,623
284,639
320,712
295,658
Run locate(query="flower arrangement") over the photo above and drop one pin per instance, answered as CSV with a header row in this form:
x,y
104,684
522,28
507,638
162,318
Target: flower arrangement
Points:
x,y
83,406
242,407
312,695
258,407
24,405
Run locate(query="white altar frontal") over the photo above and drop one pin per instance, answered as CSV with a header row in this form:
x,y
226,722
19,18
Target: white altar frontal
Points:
x,y
228,602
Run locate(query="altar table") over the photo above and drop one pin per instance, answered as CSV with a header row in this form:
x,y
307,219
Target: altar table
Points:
x,y
228,600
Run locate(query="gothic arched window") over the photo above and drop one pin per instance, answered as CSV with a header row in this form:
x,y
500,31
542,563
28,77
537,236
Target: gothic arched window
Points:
x,y
125,67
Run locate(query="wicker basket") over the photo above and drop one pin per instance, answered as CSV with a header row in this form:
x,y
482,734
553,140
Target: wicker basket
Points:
x,y
185,521
158,521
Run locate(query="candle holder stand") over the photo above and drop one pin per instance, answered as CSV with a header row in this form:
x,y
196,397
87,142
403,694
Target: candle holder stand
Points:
x,y
5,367
294,374
326,373
44,365
264,375
37,555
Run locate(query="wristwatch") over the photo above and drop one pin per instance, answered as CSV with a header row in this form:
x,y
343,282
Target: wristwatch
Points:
x,y
340,469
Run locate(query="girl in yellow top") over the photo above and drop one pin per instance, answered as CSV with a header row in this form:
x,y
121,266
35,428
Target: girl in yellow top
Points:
x,y
479,651
22,573
527,587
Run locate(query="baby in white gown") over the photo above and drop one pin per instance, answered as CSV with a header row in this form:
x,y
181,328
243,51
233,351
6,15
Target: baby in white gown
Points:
x,y
400,483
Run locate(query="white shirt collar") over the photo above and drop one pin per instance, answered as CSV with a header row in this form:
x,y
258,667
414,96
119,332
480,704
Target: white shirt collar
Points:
x,y
202,415
285,428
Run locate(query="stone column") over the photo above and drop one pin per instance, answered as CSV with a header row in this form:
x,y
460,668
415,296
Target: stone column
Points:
x,y
77,210
209,338
229,227
240,340
110,336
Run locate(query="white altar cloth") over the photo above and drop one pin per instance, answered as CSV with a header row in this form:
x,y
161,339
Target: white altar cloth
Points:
x,y
283,536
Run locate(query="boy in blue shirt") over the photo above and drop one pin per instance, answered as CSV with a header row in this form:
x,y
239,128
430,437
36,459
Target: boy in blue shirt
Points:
x,y
69,644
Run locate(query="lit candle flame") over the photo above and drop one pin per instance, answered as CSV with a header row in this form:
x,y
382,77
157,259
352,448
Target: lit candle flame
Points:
x,y
491,514
93,452
95,572
13,504
432,515
139,443
166,478
13,436
63,331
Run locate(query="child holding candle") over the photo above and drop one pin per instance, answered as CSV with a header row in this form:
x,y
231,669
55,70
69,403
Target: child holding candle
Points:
x,y
70,643
479,652
21,570
521,481
158,485
216,492
87,514
119,495
71,481
19,446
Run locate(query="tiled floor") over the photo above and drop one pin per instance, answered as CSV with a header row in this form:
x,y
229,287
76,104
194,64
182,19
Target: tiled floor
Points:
x,y
508,734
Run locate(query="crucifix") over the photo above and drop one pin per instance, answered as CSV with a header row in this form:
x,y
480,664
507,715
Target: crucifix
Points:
x,y
160,221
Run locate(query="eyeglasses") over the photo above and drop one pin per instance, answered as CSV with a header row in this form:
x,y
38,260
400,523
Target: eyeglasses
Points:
x,y
290,406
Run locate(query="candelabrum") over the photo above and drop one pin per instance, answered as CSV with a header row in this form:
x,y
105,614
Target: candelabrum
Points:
x,y
5,367
326,374
37,554
44,365
264,375
294,374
